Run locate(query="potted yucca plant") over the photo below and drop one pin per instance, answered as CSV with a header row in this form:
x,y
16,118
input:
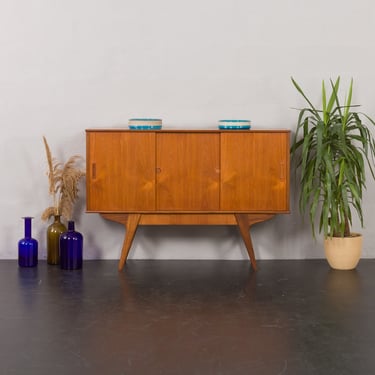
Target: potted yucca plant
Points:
x,y
63,181
331,148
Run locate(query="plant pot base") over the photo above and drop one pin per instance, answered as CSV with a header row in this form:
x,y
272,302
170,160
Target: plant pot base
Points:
x,y
343,253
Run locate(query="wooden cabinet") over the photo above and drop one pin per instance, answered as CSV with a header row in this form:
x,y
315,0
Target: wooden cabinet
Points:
x,y
173,177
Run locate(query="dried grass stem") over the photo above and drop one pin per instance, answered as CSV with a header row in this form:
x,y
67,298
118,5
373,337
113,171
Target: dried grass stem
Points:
x,y
63,182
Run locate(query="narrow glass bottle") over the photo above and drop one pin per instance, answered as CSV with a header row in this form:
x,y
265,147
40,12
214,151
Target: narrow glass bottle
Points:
x,y
53,238
27,247
71,245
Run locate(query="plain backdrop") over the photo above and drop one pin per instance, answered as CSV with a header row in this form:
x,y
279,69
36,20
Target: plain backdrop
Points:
x,y
66,66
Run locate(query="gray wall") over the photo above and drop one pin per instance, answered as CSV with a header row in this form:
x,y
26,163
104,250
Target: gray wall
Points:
x,y
70,65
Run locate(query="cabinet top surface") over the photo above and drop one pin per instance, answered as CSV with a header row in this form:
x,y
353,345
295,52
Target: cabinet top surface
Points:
x,y
198,130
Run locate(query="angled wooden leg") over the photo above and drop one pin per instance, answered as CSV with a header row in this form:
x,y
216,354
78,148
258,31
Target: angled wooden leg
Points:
x,y
131,227
130,221
244,222
243,225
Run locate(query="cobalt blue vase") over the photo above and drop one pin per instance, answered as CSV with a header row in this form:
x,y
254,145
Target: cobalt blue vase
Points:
x,y
71,245
27,247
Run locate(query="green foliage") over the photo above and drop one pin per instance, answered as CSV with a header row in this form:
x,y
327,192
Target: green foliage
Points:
x,y
332,147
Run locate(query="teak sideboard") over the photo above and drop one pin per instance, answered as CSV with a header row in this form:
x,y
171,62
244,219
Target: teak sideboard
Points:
x,y
187,177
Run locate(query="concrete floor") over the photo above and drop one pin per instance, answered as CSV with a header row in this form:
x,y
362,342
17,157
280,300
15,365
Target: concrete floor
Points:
x,y
187,317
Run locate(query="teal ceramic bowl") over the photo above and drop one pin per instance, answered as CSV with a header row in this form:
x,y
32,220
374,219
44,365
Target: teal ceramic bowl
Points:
x,y
145,123
235,124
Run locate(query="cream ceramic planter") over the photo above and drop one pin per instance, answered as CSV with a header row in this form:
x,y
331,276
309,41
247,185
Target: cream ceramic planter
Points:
x,y
343,253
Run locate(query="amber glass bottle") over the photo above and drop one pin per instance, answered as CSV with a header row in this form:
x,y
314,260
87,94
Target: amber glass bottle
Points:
x,y
53,240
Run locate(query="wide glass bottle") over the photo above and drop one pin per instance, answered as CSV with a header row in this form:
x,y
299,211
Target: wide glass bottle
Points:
x,y
27,247
71,246
53,238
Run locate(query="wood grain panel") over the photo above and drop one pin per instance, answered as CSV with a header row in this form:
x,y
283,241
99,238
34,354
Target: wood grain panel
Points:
x,y
120,171
187,219
188,171
255,171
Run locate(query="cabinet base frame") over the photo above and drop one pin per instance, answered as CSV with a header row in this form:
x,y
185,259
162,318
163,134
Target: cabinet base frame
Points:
x,y
131,221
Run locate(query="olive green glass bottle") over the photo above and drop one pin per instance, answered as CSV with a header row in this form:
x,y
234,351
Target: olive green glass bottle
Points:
x,y
53,240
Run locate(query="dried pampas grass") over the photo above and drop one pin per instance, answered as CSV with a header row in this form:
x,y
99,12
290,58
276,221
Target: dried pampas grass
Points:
x,y
63,182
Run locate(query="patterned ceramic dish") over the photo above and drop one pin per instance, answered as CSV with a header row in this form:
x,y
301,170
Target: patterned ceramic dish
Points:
x,y
145,123
234,124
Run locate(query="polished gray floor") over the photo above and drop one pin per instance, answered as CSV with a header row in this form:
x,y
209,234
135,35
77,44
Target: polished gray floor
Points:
x,y
187,317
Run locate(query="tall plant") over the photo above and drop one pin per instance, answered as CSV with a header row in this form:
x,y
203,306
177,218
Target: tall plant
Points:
x,y
331,147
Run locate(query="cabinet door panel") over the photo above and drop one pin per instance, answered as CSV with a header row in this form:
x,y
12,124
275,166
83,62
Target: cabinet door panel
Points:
x,y
255,171
120,171
188,171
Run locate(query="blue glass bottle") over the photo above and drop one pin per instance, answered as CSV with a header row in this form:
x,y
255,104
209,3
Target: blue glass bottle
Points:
x,y
71,245
27,247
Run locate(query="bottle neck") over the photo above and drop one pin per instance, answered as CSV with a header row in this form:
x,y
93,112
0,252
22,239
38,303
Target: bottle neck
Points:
x,y
71,225
27,226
